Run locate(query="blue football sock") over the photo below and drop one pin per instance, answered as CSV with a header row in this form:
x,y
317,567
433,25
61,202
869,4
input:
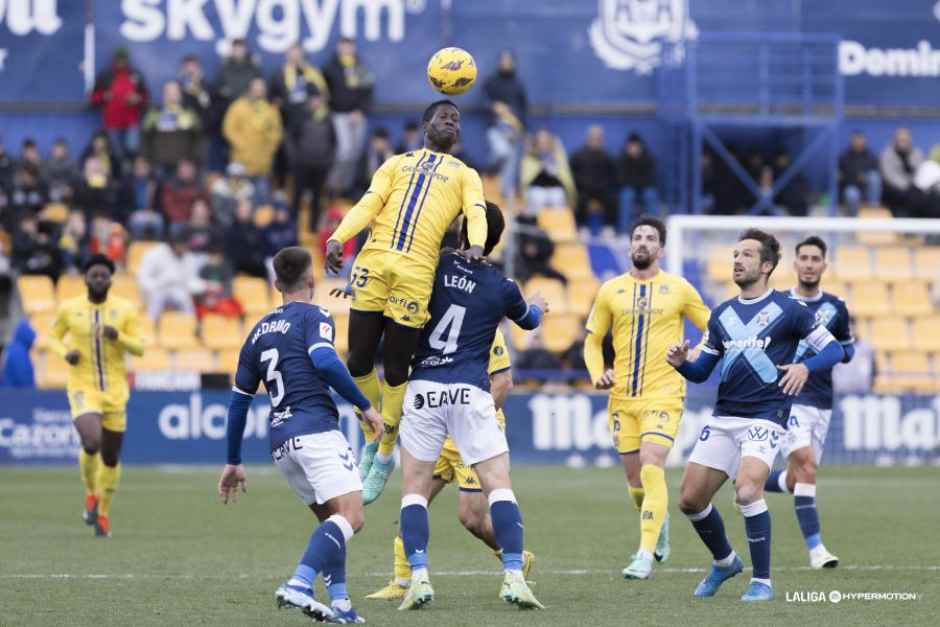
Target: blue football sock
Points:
x,y
507,527
757,527
334,572
326,551
774,482
711,529
804,502
415,529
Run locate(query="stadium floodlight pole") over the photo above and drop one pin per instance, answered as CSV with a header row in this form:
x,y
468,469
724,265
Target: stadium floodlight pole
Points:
x,y
679,224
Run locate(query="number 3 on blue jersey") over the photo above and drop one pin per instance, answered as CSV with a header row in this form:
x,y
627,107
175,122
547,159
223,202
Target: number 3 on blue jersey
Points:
x,y
273,381
451,323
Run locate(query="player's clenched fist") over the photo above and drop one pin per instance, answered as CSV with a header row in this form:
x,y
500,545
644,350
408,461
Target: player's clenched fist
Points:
x,y
606,381
677,354
334,256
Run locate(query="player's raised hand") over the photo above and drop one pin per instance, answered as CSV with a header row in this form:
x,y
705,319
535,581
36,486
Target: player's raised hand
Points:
x,y
233,478
793,379
73,357
474,253
539,301
374,419
606,381
341,292
334,256
677,354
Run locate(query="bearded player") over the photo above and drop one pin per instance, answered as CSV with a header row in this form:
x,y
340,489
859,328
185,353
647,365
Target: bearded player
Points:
x,y
645,310
411,201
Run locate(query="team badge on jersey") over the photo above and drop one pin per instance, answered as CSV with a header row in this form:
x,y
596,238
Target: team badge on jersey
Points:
x,y
763,318
326,331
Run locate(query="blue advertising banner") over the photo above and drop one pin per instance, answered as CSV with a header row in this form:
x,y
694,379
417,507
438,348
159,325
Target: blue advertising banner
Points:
x,y
41,50
571,429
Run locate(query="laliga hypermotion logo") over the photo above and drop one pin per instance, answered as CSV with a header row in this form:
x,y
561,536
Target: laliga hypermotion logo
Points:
x,y
628,34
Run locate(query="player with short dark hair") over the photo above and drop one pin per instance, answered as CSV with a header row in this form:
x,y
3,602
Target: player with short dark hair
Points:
x,y
812,409
291,350
93,333
411,201
754,336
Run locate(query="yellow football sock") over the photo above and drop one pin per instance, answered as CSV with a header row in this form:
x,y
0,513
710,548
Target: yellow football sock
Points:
x,y
108,478
371,388
637,494
88,467
402,567
654,505
393,397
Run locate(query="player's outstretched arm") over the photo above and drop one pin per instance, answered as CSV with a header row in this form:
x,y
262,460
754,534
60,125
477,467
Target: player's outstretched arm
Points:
x,y
233,474
361,215
335,373
695,371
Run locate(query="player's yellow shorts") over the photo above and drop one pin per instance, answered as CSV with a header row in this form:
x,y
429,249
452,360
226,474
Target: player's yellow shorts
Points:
x,y
393,284
450,467
634,420
93,401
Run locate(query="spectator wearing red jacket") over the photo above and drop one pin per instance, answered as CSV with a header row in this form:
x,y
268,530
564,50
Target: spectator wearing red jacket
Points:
x,y
122,94
180,193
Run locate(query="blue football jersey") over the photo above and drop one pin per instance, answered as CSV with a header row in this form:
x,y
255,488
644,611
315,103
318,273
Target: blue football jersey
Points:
x,y
830,312
753,337
277,353
468,302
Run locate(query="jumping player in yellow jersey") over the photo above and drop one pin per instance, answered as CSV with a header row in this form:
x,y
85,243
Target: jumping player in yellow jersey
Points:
x,y
93,333
473,508
644,309
411,201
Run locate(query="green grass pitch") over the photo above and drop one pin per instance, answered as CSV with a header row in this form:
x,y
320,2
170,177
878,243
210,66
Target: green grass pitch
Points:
x,y
178,557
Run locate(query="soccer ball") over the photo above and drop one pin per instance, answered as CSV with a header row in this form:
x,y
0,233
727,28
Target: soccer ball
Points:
x,y
452,71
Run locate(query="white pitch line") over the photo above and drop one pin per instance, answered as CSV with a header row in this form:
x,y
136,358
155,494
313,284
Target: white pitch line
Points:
x,y
443,573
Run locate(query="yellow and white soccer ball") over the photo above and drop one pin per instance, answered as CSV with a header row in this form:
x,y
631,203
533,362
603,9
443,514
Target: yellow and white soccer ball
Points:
x,y
452,71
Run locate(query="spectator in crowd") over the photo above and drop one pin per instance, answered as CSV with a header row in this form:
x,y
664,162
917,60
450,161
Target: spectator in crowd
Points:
x,y
97,191
228,191
34,249
280,233
232,82
7,166
171,133
311,149
899,163
350,84
203,235
253,129
29,154
534,251
29,194
377,152
108,238
858,175
216,296
573,357
546,177
508,104
294,84
794,197
75,242
244,243
595,177
140,193
169,276
122,94
101,149
536,356
178,195
857,376
637,173
197,96
60,172
411,138
17,364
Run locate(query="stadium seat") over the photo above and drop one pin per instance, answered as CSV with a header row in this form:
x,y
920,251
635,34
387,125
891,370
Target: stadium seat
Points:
x,y
148,329
560,330
37,293
177,331
838,288
154,359
720,260
783,278
853,263
136,252
491,190
581,295
893,263
876,238
911,371
194,360
341,320
42,324
926,332
254,296
551,290
70,286
573,261
221,332
559,224
870,298
927,263
912,298
333,304
53,373
124,286
890,333
228,360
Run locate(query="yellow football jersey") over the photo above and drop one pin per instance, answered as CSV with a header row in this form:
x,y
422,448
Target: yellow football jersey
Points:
x,y
646,318
412,200
79,326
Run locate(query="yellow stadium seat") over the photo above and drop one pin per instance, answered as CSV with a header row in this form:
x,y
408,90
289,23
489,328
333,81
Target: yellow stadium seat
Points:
x,y
912,298
838,288
911,371
551,290
783,278
228,360
870,298
70,286
890,333
876,238
926,332
220,332
853,263
491,190
53,373
893,263
36,293
333,304
136,252
560,330
194,360
559,224
42,324
573,261
720,262
148,328
342,332
581,295
177,331
927,263
253,294
153,359
519,337
124,286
